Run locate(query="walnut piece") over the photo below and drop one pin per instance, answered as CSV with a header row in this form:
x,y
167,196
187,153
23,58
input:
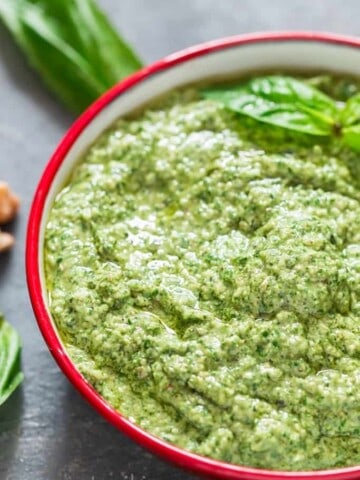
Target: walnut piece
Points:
x,y
9,205
6,241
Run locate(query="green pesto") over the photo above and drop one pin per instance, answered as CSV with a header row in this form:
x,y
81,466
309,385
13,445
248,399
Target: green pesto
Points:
x,y
204,273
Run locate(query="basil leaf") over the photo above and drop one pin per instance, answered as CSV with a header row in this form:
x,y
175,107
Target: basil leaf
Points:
x,y
9,14
281,101
10,349
72,45
350,119
351,137
351,112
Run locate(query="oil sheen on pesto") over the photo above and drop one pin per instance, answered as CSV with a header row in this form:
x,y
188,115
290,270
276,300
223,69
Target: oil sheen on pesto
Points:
x,y
204,273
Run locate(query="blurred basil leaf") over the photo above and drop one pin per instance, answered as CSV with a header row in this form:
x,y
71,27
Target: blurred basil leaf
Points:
x,y
73,46
10,369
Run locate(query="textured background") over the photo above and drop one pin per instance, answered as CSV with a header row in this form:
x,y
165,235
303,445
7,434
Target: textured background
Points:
x,y
47,432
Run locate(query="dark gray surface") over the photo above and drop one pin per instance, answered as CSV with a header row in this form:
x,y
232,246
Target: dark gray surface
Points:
x,y
47,432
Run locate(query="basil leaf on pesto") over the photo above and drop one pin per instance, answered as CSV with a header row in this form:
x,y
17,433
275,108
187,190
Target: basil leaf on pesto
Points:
x,y
73,46
350,118
351,137
281,101
351,112
10,370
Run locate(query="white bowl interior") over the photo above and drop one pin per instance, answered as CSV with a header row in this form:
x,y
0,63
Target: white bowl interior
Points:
x,y
300,55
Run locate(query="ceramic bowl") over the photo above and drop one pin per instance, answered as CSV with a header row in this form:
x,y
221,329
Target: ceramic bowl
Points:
x,y
226,57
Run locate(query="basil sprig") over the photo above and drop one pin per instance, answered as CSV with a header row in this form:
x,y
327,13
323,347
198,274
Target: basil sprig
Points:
x,y
10,371
73,46
294,105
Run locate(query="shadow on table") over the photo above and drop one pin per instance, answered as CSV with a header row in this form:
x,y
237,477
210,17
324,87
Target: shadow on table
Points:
x,y
10,429
92,448
4,262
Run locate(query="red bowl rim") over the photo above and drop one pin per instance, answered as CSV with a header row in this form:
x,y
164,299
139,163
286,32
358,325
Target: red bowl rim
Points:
x,y
188,460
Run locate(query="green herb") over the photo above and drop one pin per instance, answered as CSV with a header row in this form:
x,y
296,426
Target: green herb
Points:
x,y
350,115
292,104
351,137
10,349
73,46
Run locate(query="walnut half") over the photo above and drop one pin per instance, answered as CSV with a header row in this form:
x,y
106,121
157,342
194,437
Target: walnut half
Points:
x,y
9,205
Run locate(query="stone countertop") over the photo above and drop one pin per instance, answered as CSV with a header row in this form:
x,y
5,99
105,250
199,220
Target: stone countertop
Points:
x,y
47,431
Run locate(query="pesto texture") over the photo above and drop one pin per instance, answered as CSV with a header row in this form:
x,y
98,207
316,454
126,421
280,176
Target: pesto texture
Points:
x,y
204,273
